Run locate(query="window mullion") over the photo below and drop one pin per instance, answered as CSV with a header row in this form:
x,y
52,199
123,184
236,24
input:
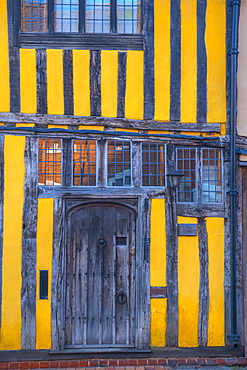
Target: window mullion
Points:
x,y
50,15
82,15
199,179
113,16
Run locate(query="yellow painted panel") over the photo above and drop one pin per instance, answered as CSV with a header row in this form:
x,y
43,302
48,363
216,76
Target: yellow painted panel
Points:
x,y
216,319
55,91
109,83
162,59
86,127
158,243
134,99
158,308
58,126
215,37
28,90
158,132
188,60
25,125
4,60
81,77
126,130
188,288
223,129
14,177
44,262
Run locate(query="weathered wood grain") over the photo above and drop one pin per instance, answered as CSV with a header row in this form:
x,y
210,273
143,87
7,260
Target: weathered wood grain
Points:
x,y
148,30
201,63
68,82
14,73
67,168
58,278
28,290
204,287
175,69
95,85
172,258
45,119
41,81
122,56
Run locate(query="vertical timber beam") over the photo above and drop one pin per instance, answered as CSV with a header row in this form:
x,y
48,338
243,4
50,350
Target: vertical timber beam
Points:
x,y
172,261
28,291
58,266
175,83
201,62
204,289
95,78
148,30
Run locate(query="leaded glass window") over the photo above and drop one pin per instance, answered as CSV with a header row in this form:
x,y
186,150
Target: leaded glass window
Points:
x,y
81,16
34,15
153,164
187,164
84,162
50,159
211,176
119,163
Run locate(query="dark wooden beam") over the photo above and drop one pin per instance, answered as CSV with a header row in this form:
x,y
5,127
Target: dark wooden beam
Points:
x,y
201,62
28,290
67,120
204,285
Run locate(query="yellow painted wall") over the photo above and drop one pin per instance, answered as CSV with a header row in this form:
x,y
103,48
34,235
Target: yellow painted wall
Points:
x,y
216,321
188,61
158,270
44,262
55,90
162,59
4,59
109,83
28,80
134,99
188,287
14,177
215,37
81,77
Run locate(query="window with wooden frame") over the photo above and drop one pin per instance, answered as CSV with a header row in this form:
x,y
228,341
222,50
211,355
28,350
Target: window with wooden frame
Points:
x,y
84,162
50,162
119,163
81,22
203,173
153,164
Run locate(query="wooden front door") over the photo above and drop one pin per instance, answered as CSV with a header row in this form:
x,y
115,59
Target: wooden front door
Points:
x,y
100,277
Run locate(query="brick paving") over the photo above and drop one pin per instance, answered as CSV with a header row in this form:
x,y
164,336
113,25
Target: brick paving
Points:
x,y
126,364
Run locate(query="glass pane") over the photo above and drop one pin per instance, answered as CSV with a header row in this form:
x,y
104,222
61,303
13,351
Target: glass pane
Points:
x,y
211,176
98,16
84,162
66,15
119,163
129,16
153,164
186,163
33,15
49,169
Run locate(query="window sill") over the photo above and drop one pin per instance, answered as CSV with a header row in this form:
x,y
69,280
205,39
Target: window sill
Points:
x,y
81,41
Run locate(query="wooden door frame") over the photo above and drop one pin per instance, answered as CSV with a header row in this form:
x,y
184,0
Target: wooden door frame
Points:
x,y
142,210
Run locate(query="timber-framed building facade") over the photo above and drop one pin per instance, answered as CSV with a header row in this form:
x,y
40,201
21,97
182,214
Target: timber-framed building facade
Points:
x,y
99,101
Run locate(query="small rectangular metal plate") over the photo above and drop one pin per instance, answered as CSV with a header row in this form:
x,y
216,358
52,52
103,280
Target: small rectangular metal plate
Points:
x,y
187,229
158,292
43,284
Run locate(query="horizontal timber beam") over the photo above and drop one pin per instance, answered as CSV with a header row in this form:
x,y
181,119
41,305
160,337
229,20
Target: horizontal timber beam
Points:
x,y
69,120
